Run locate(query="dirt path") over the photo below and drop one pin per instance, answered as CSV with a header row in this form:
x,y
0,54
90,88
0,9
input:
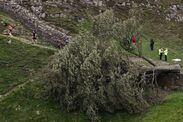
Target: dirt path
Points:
x,y
29,42
20,86
13,90
143,62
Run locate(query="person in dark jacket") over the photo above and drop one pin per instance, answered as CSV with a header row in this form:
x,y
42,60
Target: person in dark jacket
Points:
x,y
166,53
34,39
152,44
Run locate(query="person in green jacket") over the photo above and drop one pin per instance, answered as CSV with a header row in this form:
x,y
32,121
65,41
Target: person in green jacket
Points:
x,y
166,53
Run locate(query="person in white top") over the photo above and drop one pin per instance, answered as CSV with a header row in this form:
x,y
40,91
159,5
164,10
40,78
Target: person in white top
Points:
x,y
160,53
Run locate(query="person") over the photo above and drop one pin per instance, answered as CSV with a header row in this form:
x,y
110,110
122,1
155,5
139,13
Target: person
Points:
x,y
152,44
34,39
134,39
160,53
9,28
166,53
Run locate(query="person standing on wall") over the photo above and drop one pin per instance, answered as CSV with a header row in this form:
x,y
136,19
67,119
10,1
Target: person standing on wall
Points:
x,y
166,53
152,44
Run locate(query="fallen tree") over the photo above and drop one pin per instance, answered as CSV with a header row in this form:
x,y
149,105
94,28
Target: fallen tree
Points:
x,y
164,69
91,76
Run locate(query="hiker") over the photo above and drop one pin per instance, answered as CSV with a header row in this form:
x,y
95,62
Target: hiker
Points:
x,y
34,39
134,39
166,53
9,28
152,44
160,53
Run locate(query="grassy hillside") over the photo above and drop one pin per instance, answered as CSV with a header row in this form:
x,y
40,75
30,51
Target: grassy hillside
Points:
x,y
175,51
19,30
30,104
166,34
169,111
18,62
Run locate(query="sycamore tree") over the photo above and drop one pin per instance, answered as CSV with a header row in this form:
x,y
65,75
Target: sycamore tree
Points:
x,y
93,75
107,26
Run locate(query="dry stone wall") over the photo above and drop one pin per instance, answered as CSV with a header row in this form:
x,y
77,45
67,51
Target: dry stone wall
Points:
x,y
30,20
175,12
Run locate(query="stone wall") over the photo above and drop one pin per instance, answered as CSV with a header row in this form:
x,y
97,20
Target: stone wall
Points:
x,y
170,80
175,12
30,20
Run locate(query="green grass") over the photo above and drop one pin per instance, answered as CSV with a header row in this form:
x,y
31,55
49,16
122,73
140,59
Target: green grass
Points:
x,y
171,110
166,34
51,9
175,49
18,61
20,30
64,23
71,22
31,104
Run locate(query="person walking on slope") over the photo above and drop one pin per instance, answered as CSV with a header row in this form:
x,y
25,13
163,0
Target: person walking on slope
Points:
x,y
166,53
160,53
152,44
9,28
134,40
34,39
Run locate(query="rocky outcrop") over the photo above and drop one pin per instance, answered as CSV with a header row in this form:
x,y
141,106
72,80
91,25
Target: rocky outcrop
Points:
x,y
30,20
170,80
175,12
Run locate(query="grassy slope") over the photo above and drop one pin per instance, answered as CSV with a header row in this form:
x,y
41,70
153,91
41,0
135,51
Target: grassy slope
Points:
x,y
166,35
31,105
169,111
18,61
70,22
19,29
174,51
4,18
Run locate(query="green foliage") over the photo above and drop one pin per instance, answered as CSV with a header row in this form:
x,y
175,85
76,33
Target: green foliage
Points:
x,y
92,76
64,23
103,25
31,104
107,26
